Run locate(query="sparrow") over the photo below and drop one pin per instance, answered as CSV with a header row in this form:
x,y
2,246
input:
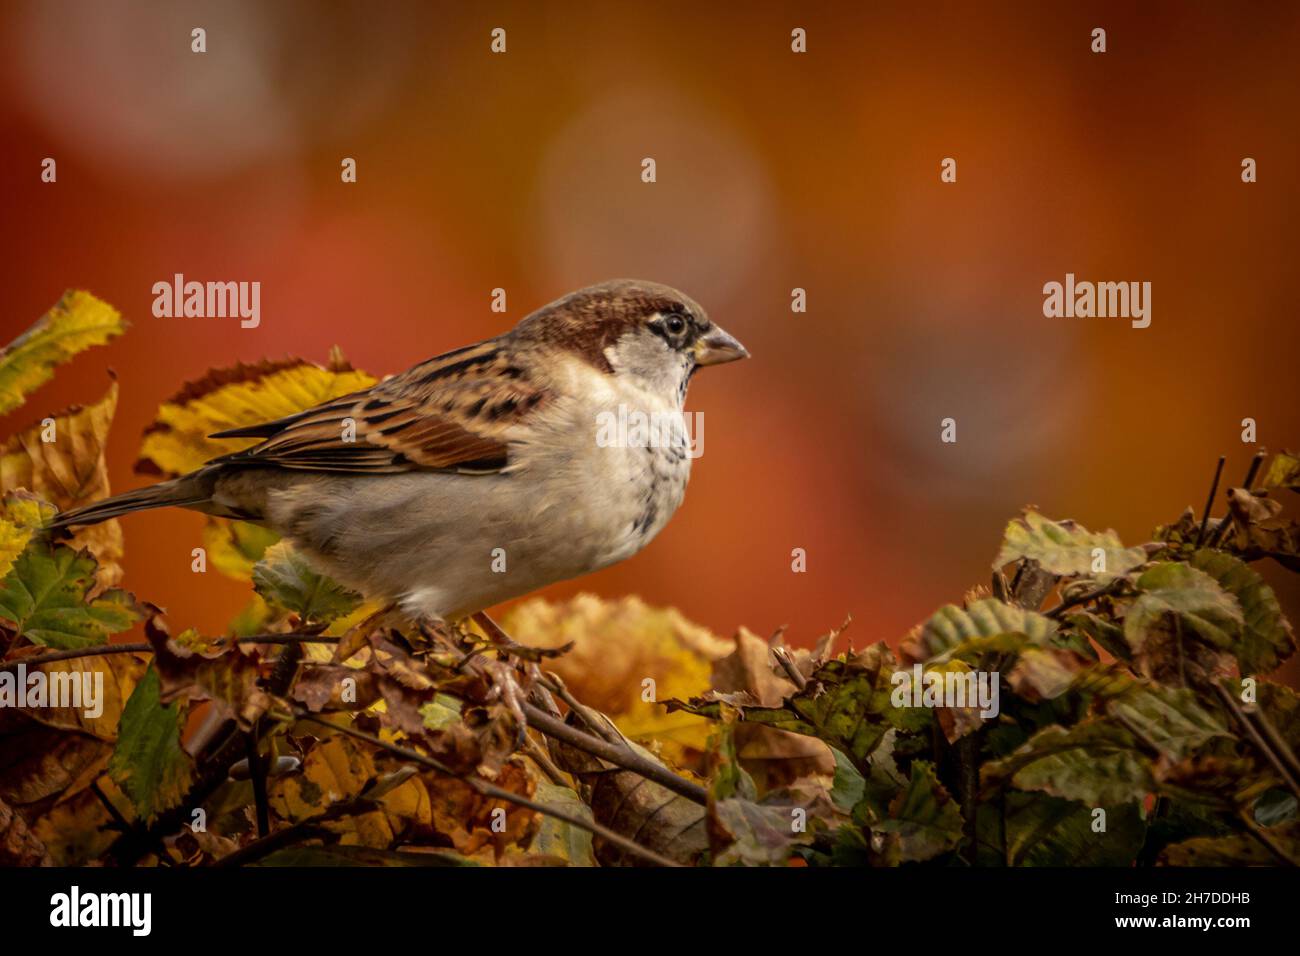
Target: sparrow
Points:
x,y
477,476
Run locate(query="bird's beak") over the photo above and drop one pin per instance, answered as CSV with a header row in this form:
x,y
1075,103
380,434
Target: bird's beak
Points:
x,y
717,347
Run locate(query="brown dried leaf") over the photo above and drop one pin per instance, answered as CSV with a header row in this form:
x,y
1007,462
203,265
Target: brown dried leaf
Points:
x,y
70,471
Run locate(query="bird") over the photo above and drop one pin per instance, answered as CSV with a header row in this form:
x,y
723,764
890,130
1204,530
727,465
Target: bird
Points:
x,y
480,475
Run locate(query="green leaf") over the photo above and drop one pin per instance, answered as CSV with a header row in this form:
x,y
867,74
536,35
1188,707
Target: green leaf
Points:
x,y
1067,549
924,820
44,595
849,786
559,838
286,579
948,633
1267,639
149,763
1095,762
1039,830
846,703
1170,719
75,323
1193,597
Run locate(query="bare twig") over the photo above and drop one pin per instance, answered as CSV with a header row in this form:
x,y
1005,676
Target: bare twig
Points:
x,y
491,790
1085,598
1260,744
1209,500
621,756
303,830
1227,521
99,650
257,772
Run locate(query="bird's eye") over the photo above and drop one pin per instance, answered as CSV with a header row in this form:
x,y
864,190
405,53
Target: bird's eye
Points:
x,y
676,324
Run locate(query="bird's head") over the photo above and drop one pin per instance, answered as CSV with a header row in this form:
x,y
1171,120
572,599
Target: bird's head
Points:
x,y
641,329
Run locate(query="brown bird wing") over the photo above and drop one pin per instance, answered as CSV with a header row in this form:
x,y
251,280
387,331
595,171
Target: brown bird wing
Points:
x,y
451,413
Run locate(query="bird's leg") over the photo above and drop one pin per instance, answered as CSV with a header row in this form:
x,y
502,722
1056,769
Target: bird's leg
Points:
x,y
505,643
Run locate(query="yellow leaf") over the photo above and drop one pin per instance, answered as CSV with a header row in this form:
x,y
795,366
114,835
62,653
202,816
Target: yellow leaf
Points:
x,y
75,323
62,460
177,442
235,546
21,514
618,645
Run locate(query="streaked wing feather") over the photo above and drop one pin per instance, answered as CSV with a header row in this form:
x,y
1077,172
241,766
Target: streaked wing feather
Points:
x,y
453,412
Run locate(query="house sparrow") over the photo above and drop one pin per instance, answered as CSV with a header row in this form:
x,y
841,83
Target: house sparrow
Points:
x,y
491,446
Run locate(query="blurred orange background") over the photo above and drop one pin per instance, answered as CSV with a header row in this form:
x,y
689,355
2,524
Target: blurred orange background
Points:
x,y
775,170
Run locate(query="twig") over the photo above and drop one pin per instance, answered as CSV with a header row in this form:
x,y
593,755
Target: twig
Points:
x,y
257,771
1260,744
303,830
1227,522
544,763
622,756
99,650
112,809
556,685
491,790
1078,599
1209,500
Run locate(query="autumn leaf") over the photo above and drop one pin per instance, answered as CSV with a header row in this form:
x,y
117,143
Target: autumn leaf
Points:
x,y
149,763
22,515
1095,762
951,627
177,442
924,820
285,579
1194,598
75,323
1283,472
634,806
559,838
63,462
1066,548
234,547
18,845
45,595
1267,639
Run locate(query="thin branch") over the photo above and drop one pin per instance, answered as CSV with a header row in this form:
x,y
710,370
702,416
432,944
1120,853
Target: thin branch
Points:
x,y
537,754
554,683
257,771
112,809
303,830
622,756
1227,521
1209,500
1260,744
491,790
1085,598
99,650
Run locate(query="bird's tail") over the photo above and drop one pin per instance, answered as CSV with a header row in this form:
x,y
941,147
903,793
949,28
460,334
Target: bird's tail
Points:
x,y
187,491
